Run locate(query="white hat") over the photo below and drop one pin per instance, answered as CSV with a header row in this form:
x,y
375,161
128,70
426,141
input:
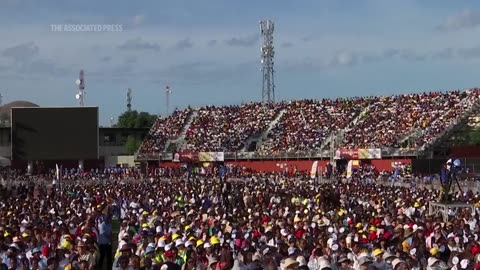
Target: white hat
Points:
x,y
289,262
301,261
324,264
291,250
179,242
207,245
188,243
283,232
168,247
161,243
432,260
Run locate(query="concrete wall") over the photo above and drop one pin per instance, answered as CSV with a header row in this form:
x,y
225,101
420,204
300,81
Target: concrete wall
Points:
x,y
5,151
111,161
106,151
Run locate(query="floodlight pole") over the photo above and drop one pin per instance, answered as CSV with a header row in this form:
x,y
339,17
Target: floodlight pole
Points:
x,y
168,91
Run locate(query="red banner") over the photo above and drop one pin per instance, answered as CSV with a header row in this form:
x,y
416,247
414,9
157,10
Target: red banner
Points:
x,y
198,157
185,157
348,154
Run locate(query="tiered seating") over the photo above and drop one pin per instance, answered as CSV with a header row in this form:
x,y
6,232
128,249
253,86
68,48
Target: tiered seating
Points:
x,y
390,119
164,129
306,123
227,128
461,103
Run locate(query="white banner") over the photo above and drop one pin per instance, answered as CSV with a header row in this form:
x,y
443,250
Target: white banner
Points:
x,y
211,156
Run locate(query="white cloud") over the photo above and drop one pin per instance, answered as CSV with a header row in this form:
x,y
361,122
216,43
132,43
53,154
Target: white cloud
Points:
x,y
246,41
138,44
22,52
183,44
344,59
464,20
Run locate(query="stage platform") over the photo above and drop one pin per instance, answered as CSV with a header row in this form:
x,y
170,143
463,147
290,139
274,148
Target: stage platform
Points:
x,y
443,208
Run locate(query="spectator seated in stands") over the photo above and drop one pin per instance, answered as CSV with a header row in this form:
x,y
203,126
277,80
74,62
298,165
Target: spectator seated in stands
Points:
x,y
164,129
389,120
227,128
307,125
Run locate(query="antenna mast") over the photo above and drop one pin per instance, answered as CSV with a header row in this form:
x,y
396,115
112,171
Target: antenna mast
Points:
x,y
80,96
129,99
268,52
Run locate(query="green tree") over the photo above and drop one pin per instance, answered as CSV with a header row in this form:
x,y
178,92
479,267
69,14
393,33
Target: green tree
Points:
x,y
474,137
132,145
134,119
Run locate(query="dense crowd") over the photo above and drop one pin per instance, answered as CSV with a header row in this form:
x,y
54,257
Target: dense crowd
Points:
x,y
390,119
306,123
461,104
164,129
256,222
370,122
227,128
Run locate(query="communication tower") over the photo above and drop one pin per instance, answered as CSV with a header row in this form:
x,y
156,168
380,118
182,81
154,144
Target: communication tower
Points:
x,y
267,54
129,99
80,96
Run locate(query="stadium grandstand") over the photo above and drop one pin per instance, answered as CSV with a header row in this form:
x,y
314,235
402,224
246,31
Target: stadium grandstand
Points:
x,y
401,125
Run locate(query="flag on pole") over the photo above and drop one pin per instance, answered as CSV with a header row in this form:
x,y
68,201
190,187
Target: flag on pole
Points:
x,y
313,171
57,172
168,90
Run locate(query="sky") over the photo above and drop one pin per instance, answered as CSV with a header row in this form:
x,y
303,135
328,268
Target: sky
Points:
x,y
208,52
